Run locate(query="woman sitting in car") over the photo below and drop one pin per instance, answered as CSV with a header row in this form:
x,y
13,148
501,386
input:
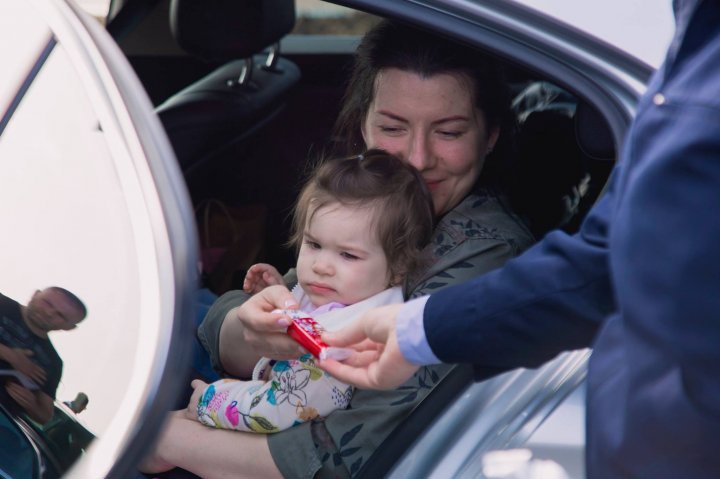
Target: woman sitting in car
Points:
x,y
445,110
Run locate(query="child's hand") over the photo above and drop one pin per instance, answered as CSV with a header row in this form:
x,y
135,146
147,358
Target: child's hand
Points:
x,y
260,276
192,409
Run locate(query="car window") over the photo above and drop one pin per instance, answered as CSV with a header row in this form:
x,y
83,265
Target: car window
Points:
x,y
63,439
64,235
326,28
82,209
315,17
18,457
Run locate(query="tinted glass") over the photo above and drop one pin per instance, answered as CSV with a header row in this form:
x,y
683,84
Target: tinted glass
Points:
x,y
315,17
18,458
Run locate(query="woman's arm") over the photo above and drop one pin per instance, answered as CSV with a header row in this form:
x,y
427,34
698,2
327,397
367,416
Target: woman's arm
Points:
x,y
238,330
210,453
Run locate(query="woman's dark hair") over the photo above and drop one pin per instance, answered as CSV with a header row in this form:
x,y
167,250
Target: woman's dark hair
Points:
x,y
394,191
393,45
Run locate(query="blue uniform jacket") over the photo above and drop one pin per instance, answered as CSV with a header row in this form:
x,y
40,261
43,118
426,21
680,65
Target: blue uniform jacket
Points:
x,y
641,279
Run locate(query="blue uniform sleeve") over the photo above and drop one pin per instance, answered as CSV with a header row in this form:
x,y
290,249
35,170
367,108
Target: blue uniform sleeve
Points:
x,y
411,335
551,299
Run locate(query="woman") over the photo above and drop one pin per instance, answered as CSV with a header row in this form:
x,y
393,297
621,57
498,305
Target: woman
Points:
x,y
442,108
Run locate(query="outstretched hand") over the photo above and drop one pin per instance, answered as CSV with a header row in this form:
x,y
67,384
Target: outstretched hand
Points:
x,y
377,362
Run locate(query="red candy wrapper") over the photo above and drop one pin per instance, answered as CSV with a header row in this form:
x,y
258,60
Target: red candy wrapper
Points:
x,y
306,331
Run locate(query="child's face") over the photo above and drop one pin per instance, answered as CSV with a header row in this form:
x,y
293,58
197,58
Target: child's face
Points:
x,y
340,258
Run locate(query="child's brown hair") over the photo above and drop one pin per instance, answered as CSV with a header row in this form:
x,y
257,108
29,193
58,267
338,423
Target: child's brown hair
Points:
x,y
396,193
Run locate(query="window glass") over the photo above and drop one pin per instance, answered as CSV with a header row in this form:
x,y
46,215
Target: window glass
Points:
x,y
18,57
72,216
17,456
89,202
65,223
315,17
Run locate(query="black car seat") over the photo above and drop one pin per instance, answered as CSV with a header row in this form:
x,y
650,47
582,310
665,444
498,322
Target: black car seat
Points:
x,y
555,176
231,104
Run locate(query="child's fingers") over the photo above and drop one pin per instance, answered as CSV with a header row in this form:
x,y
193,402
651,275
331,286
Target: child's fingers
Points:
x,y
198,384
269,279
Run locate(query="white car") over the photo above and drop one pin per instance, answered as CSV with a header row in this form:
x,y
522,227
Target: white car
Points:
x,y
112,132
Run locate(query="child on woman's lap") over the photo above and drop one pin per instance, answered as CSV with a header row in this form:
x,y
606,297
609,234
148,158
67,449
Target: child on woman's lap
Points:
x,y
360,225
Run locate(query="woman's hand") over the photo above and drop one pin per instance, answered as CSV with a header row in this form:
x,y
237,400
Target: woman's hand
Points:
x,y
253,330
378,362
265,328
260,276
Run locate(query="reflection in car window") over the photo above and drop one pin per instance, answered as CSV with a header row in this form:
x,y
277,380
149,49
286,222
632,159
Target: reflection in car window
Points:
x,y
315,17
18,57
18,458
66,222
65,438
97,8
57,221
91,203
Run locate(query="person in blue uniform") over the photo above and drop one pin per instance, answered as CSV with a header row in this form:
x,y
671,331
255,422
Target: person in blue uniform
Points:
x,y
640,283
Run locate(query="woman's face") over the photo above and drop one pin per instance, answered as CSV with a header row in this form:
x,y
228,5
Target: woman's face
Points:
x,y
432,124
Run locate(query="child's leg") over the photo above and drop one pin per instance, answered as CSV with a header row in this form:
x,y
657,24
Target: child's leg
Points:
x,y
210,453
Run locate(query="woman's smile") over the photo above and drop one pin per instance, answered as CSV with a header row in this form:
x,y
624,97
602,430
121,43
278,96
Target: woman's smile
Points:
x,y
436,128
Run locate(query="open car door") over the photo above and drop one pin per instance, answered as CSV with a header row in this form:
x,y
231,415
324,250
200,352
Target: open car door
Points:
x,y
92,201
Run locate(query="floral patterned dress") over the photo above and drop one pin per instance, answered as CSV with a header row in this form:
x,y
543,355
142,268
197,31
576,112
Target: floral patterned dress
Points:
x,y
285,393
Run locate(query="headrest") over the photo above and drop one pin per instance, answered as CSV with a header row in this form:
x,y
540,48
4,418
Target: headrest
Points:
x,y
222,30
548,153
542,96
593,133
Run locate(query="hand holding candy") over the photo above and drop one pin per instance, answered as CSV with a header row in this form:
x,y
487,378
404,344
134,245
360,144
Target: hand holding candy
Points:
x,y
307,332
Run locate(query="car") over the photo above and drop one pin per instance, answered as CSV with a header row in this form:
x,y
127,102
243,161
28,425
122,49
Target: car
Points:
x,y
123,139
34,450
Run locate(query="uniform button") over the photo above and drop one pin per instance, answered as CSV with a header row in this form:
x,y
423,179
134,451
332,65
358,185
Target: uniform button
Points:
x,y
659,99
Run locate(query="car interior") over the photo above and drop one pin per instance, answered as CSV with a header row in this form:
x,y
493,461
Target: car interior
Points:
x,y
245,119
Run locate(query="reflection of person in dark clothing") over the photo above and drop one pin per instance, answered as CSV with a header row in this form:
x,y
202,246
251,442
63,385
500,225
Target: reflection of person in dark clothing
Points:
x,y
78,404
26,352
65,436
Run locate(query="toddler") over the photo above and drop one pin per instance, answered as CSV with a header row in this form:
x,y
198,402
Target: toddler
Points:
x,y
359,226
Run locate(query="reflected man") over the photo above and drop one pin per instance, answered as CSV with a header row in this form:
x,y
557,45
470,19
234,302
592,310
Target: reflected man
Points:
x,y
30,367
